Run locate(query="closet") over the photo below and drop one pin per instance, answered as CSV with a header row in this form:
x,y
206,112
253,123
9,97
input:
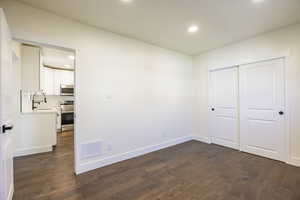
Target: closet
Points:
x,y
224,101
247,104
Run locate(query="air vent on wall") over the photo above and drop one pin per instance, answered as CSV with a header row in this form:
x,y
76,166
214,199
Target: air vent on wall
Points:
x,y
90,149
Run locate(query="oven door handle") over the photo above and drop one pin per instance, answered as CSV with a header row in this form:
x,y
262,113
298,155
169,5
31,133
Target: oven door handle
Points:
x,y
67,94
66,112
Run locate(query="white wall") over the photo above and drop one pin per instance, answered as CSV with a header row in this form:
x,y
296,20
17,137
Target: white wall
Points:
x,y
130,95
282,42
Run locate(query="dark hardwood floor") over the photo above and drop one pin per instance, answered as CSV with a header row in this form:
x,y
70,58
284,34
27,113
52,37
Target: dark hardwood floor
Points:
x,y
189,171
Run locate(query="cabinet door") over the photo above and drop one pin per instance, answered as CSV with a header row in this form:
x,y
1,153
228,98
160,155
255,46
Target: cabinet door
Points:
x,y
57,81
67,77
47,80
224,107
51,80
30,61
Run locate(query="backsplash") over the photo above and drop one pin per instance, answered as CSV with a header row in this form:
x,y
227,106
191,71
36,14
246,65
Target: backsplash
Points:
x,y
52,101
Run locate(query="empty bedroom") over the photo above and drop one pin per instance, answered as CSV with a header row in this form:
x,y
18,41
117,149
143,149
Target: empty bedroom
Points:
x,y
150,100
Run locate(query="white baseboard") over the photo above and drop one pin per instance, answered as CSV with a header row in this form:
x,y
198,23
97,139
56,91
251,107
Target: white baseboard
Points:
x,y
295,161
131,154
30,151
202,139
95,164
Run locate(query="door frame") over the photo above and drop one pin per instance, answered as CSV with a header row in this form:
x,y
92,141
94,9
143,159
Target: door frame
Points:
x,y
75,51
285,56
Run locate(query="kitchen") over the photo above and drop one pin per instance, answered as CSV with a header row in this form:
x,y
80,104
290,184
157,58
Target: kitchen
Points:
x,y
46,97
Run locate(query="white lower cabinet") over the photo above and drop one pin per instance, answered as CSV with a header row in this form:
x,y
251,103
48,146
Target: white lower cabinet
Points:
x,y
38,133
247,108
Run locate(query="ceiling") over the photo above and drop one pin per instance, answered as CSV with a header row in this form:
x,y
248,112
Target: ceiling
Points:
x,y
164,22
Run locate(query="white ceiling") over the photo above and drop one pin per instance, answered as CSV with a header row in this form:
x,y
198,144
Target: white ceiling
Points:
x,y
164,22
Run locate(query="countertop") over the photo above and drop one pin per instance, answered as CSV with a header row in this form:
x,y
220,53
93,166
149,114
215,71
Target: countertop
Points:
x,y
41,111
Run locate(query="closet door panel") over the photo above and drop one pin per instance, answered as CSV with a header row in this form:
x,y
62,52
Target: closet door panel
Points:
x,y
224,108
262,100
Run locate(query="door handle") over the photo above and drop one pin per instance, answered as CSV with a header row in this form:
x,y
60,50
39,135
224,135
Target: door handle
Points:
x,y
281,113
7,128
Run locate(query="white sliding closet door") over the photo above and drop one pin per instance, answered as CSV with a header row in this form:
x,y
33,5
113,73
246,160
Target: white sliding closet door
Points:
x,y
262,108
224,107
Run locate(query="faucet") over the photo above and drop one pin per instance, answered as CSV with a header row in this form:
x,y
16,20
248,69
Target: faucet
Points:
x,y
38,93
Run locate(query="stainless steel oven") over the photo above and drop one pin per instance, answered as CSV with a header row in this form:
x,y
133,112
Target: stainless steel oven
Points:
x,y
67,90
67,115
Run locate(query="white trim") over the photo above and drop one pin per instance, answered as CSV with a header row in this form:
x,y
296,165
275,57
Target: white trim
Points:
x,y
11,192
222,68
287,150
295,161
252,61
239,107
76,121
88,166
210,105
63,48
204,139
34,150
128,155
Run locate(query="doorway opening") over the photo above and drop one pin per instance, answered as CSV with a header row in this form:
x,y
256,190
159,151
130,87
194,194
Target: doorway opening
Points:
x,y
46,92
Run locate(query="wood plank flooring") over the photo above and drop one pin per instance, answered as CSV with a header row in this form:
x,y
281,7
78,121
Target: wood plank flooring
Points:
x,y
189,171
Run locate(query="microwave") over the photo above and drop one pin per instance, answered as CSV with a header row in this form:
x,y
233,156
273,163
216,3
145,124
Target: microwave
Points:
x,y
66,90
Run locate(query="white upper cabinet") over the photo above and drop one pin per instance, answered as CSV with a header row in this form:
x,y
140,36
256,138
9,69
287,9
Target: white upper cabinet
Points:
x,y
57,69
30,61
67,77
47,80
52,79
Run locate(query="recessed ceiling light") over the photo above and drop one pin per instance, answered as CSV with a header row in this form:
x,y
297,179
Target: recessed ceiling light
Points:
x,y
258,1
71,57
126,1
193,29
